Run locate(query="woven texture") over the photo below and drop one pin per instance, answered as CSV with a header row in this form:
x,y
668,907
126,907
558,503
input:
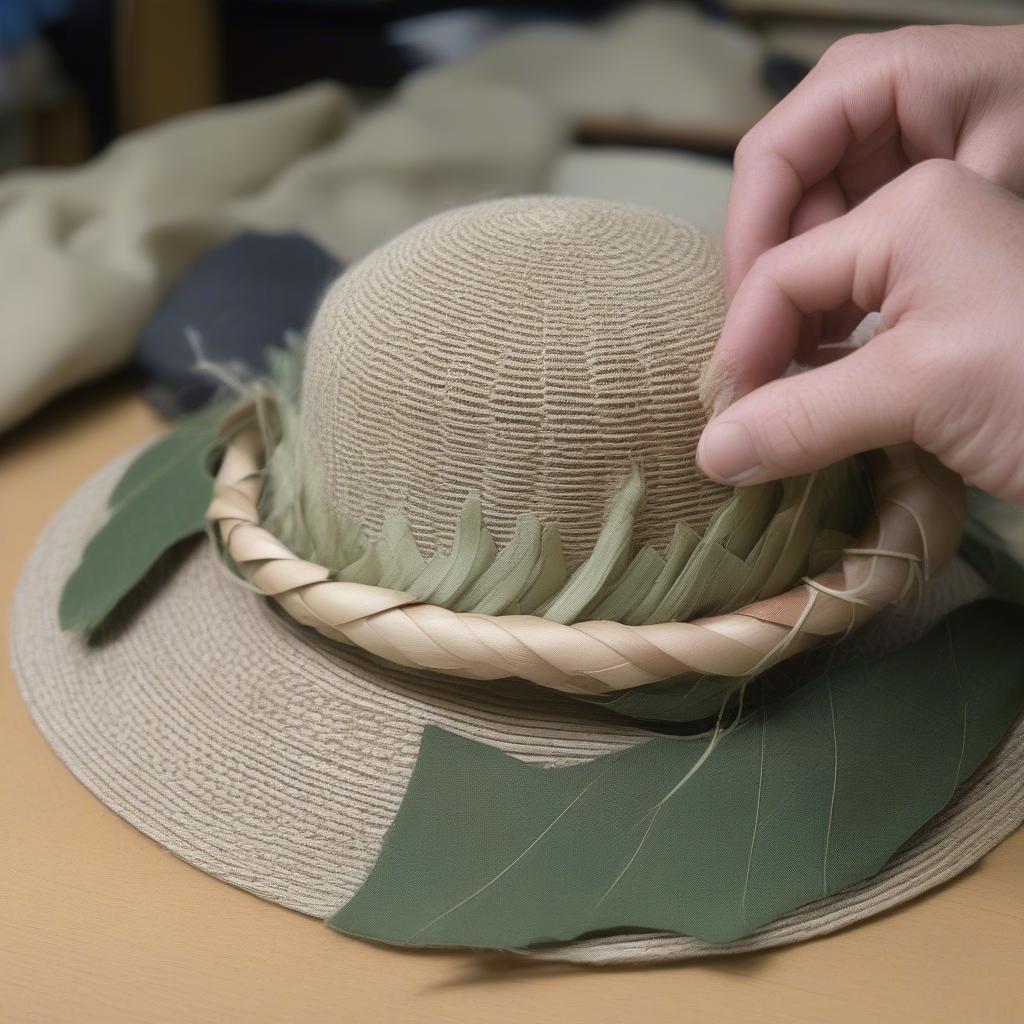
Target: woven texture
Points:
x,y
277,763
527,349
914,534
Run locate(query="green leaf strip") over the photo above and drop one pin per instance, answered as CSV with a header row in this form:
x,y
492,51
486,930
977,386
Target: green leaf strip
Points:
x,y
160,500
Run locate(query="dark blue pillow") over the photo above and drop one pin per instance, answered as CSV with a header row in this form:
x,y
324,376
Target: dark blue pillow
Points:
x,y
240,299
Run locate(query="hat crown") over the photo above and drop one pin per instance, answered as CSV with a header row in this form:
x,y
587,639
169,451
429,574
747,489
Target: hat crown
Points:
x,y
530,350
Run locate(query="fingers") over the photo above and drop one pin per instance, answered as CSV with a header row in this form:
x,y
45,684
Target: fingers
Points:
x,y
777,428
816,272
806,422
872,107
850,95
765,190
839,324
826,328
820,203
878,253
896,253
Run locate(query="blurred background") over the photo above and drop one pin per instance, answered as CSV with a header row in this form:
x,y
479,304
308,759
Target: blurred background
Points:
x,y
74,74
181,178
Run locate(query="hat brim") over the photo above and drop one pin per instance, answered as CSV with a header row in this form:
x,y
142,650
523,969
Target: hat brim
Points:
x,y
276,761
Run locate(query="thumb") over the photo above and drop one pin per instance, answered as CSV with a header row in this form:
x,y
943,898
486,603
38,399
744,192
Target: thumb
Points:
x,y
805,422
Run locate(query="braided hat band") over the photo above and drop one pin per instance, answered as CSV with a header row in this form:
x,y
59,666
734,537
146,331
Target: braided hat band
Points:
x,y
915,531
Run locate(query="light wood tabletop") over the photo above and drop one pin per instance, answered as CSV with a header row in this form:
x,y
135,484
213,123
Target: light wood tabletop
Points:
x,y
98,923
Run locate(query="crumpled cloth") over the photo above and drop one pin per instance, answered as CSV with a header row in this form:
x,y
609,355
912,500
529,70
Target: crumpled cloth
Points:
x,y
653,66
86,254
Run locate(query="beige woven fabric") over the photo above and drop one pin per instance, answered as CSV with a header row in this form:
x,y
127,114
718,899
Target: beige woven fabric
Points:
x,y
528,349
276,763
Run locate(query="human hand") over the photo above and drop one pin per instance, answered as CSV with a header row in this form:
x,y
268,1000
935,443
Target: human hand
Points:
x,y
940,252
872,107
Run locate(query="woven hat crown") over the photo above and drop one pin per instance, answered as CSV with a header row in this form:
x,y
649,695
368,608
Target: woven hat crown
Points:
x,y
531,350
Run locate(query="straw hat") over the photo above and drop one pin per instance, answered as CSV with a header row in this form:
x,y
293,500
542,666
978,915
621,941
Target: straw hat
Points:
x,y
531,352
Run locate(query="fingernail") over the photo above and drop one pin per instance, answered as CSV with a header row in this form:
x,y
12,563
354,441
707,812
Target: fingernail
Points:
x,y
726,452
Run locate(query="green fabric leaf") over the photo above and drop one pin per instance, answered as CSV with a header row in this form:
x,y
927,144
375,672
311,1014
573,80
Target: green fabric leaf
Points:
x,y
680,548
712,838
738,525
549,574
708,583
161,499
607,561
400,557
366,569
446,576
635,584
508,576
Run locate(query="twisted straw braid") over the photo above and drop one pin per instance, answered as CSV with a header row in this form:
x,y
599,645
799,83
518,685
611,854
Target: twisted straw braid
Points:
x,y
916,530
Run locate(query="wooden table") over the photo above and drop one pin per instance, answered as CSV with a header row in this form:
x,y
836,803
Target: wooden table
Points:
x,y
98,923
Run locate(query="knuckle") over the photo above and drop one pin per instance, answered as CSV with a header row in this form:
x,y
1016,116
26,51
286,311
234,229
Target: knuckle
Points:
x,y
920,193
765,264
774,268
769,264
882,49
918,42
851,46
913,36
749,147
935,178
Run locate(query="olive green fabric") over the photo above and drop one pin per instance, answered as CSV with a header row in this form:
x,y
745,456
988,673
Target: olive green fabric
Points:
x,y
710,837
